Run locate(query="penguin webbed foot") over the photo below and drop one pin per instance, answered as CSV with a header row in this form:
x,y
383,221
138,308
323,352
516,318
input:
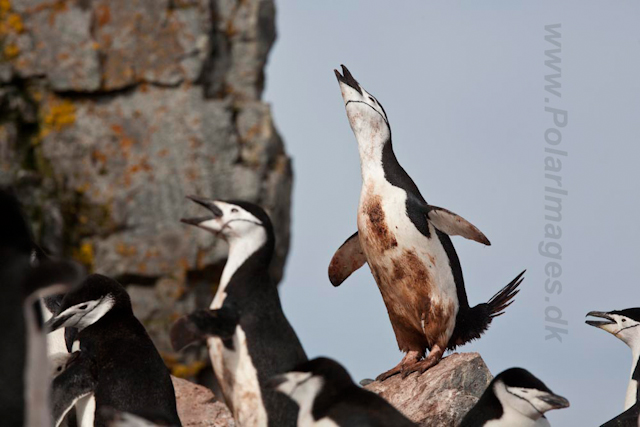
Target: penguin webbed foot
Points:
x,y
408,361
413,362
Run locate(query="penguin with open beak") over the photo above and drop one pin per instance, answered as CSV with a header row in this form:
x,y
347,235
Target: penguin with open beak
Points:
x,y
624,325
248,335
406,243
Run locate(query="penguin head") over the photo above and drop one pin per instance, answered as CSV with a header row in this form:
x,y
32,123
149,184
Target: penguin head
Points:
x,y
88,303
309,379
623,324
366,116
517,389
233,220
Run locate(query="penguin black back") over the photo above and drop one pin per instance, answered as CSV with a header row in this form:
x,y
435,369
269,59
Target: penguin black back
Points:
x,y
128,372
326,393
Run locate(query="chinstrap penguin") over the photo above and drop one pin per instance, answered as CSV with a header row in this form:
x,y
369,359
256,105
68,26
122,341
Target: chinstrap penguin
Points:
x,y
406,243
514,398
624,325
328,397
117,362
248,335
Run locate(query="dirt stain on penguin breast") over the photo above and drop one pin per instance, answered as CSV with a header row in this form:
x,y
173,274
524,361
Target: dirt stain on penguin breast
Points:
x,y
377,233
419,314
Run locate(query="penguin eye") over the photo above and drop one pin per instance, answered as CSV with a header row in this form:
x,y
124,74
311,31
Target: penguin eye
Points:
x,y
234,210
83,307
372,100
59,368
624,320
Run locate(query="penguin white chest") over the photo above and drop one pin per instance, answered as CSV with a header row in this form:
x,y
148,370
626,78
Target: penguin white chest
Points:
x,y
237,375
412,270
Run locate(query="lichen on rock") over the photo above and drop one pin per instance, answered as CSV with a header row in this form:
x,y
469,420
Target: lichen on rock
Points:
x,y
114,110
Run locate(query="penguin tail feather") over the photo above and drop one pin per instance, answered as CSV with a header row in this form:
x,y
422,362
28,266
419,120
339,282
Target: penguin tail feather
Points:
x,y
473,322
504,297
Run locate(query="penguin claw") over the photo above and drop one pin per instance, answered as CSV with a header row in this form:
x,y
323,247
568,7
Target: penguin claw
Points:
x,y
391,372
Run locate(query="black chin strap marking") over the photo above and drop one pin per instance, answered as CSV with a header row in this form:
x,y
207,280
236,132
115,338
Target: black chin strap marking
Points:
x,y
370,106
632,326
520,397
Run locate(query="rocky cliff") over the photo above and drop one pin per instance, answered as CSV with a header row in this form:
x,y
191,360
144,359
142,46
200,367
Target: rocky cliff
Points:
x,y
113,110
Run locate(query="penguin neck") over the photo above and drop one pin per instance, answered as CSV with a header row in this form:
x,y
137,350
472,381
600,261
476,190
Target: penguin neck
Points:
x,y
375,157
632,388
249,252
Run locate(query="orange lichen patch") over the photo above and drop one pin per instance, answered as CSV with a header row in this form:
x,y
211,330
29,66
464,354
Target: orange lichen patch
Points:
x,y
152,253
82,188
59,115
142,268
201,259
126,143
103,15
84,254
117,129
126,250
99,156
185,371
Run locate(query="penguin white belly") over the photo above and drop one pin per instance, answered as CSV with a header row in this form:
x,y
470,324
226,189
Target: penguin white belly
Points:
x,y
86,411
237,375
411,270
632,393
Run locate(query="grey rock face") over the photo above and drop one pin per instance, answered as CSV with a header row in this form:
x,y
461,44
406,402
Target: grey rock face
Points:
x,y
112,111
441,396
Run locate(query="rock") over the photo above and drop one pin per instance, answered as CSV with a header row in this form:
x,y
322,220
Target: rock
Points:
x,y
113,111
198,407
441,396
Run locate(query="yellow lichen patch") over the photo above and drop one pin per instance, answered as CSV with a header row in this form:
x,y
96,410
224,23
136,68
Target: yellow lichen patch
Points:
x,y
14,23
187,370
5,6
11,51
84,254
58,115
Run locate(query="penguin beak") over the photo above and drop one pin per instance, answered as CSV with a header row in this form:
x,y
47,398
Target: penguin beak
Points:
x,y
56,322
555,401
210,205
608,325
347,79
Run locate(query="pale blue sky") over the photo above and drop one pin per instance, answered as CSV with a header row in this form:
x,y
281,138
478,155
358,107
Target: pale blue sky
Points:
x,y
463,86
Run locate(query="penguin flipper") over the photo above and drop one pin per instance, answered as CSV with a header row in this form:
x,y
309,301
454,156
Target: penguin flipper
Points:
x,y
75,382
347,259
202,324
454,225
